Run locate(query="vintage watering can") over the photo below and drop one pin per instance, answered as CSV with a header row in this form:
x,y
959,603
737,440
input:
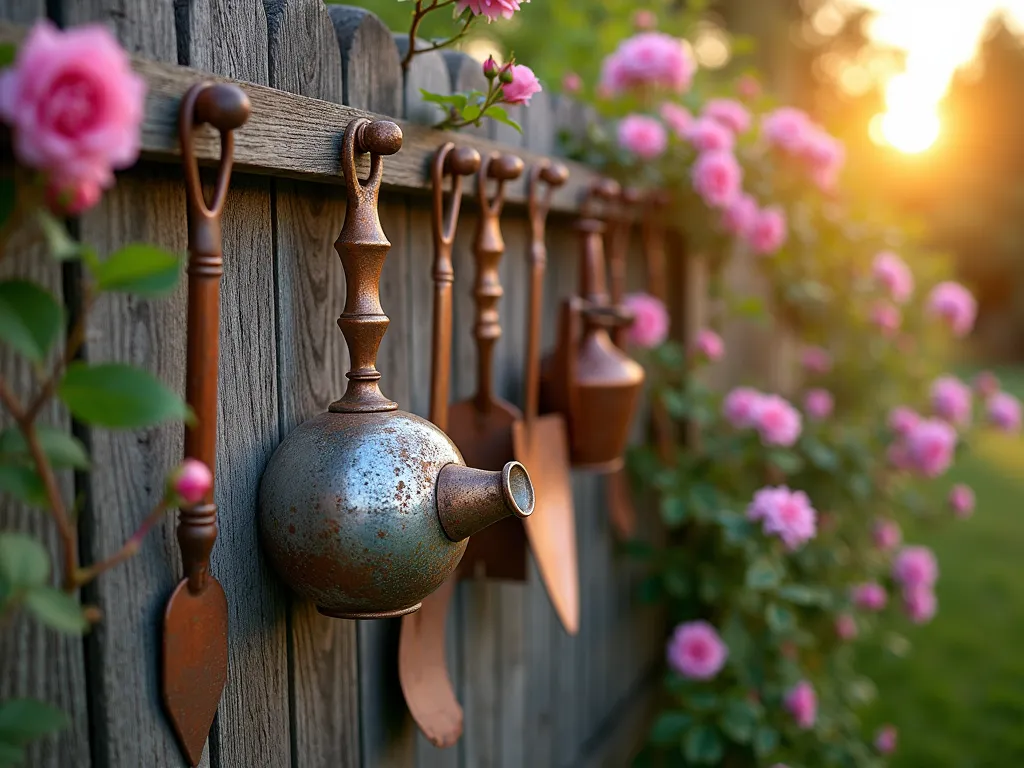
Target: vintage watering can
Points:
x,y
587,378
367,509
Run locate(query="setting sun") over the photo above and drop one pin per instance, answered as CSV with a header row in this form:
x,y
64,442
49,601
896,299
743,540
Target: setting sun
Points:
x,y
910,131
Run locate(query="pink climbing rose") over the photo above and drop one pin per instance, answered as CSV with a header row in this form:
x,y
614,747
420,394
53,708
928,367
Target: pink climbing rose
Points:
x,y
740,407
986,384
708,135
914,567
802,704
951,400
777,421
893,274
885,739
729,113
920,604
740,217
490,9
709,345
644,136
902,420
846,627
786,129
768,232
696,651
748,87
826,156
71,197
819,404
1004,411
816,360
930,447
786,514
961,500
189,483
955,305
886,534
886,317
75,108
524,85
650,320
676,117
870,596
717,178
649,59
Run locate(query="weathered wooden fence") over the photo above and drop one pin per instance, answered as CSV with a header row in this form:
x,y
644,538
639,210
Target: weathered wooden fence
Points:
x,y
304,690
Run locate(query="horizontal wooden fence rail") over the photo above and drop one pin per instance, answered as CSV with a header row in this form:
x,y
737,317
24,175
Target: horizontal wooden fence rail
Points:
x,y
300,137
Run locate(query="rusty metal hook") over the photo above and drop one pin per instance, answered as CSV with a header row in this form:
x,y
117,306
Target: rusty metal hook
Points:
x,y
500,167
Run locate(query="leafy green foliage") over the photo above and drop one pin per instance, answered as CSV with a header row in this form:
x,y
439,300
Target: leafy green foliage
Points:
x,y
23,721
30,318
144,270
63,450
118,396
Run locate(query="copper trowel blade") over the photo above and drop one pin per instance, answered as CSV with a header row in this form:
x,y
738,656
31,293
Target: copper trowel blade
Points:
x,y
195,663
551,529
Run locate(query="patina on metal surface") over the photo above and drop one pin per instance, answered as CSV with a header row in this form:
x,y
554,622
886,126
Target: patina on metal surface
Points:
x,y
195,640
588,379
348,502
542,442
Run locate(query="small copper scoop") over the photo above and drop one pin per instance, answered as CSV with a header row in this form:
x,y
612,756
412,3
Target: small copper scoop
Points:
x,y
541,442
195,643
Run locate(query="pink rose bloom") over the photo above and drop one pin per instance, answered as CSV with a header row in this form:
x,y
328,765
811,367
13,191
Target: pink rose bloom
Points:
x,y
920,604
930,447
1004,411
951,400
816,360
826,156
986,384
819,404
676,117
778,422
739,218
572,83
696,651
887,317
74,106
915,567
748,87
787,129
650,320
523,86
898,455
765,501
893,274
902,420
768,232
649,59
717,178
786,514
729,113
708,135
740,407
710,345
189,483
644,21
491,9
644,136
955,305
846,627
961,500
885,739
886,534
71,197
802,704
870,596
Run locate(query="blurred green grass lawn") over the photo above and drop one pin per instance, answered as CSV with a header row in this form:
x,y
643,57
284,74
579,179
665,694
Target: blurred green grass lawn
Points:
x,y
958,698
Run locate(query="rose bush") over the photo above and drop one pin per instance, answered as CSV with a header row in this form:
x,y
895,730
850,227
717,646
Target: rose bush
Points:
x,y
784,546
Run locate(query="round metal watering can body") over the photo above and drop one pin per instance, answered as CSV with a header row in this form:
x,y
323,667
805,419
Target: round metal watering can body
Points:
x,y
348,512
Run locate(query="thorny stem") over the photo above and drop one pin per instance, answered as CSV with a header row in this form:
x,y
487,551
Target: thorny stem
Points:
x,y
494,96
128,550
419,12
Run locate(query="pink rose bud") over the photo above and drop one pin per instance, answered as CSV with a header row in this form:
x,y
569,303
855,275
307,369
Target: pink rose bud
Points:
x,y
961,500
802,703
74,106
819,404
1004,412
490,68
870,596
505,74
920,604
190,482
893,274
951,400
846,627
644,21
644,136
886,535
915,567
955,305
72,197
696,651
650,320
885,739
709,345
572,83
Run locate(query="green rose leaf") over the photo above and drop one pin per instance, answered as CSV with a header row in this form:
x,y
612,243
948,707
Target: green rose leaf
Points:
x,y
30,318
766,741
62,449
763,574
739,720
804,595
703,745
820,455
673,511
61,245
24,720
457,100
10,755
499,114
780,620
24,561
787,462
669,727
119,396
56,609
23,483
141,269
8,53
471,112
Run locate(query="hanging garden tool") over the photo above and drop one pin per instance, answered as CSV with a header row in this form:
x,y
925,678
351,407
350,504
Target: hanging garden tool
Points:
x,y
195,640
366,509
422,666
541,442
588,379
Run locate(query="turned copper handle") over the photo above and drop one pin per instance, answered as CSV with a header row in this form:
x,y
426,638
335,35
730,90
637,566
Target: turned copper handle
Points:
x,y
225,107
488,248
456,162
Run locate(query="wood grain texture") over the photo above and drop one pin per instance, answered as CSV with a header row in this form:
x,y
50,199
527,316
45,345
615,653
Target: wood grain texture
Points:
x,y
312,360
36,662
428,72
369,59
229,38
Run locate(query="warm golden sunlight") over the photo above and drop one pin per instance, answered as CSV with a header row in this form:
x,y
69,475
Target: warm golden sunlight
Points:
x,y
938,37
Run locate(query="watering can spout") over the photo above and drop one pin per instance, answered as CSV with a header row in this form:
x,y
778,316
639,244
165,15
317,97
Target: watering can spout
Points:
x,y
469,500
